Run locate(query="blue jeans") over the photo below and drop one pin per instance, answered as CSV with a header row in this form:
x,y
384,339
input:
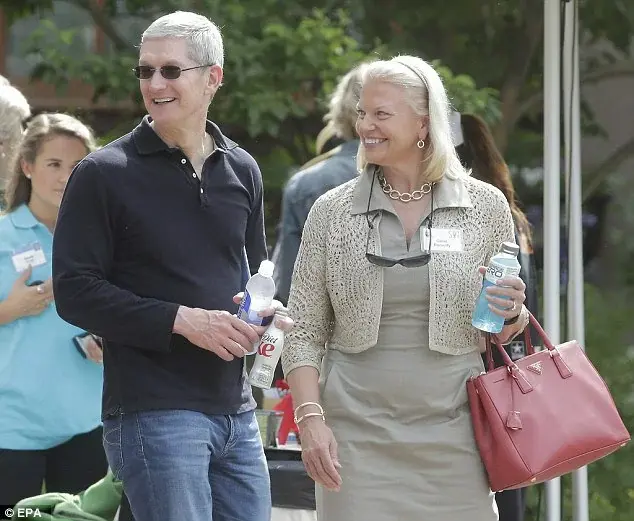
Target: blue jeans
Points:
x,y
181,465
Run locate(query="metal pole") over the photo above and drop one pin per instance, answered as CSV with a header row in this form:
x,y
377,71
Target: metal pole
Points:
x,y
572,140
552,161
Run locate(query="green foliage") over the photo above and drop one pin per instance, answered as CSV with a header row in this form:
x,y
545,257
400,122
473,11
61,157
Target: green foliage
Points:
x,y
282,62
611,349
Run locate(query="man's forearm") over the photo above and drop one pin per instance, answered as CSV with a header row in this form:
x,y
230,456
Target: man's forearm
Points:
x,y
113,313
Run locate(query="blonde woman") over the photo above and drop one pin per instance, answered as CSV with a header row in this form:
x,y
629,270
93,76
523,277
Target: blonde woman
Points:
x,y
322,173
386,279
14,111
51,392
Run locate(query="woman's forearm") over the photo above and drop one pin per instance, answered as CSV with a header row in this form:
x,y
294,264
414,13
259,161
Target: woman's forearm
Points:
x,y
304,385
8,312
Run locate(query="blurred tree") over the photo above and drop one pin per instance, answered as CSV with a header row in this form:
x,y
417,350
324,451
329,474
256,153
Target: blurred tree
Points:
x,y
282,60
500,45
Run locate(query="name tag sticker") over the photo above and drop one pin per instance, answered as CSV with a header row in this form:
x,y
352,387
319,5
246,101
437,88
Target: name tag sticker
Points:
x,y
442,239
28,255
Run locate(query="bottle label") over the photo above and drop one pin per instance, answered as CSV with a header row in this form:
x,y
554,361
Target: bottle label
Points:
x,y
247,312
497,271
268,355
268,344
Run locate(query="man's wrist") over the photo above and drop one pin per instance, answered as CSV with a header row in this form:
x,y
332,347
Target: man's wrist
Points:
x,y
181,324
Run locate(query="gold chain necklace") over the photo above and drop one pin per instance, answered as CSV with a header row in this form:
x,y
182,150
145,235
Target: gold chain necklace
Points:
x,y
404,197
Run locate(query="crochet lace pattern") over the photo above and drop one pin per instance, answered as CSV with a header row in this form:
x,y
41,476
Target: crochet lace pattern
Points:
x,y
336,294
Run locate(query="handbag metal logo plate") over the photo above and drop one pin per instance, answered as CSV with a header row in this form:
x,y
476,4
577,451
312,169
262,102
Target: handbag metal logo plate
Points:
x,y
536,368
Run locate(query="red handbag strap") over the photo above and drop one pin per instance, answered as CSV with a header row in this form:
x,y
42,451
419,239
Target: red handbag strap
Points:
x,y
489,353
540,331
527,340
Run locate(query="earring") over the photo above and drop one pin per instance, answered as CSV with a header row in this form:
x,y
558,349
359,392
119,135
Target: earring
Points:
x,y
27,176
420,144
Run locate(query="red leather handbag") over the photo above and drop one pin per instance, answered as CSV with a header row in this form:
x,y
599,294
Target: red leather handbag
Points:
x,y
542,416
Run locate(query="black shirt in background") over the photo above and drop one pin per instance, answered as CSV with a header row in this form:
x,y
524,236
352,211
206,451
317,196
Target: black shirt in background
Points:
x,y
138,234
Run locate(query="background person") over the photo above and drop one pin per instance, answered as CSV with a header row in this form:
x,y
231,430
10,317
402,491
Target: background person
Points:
x,y
50,399
14,111
319,175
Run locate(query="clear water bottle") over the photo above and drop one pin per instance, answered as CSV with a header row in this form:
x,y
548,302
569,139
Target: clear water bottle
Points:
x,y
503,264
268,354
258,295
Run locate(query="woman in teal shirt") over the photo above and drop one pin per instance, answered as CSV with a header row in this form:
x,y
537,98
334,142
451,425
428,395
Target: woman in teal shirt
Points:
x,y
50,428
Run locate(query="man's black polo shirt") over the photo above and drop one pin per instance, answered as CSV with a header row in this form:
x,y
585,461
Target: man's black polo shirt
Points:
x,y
139,234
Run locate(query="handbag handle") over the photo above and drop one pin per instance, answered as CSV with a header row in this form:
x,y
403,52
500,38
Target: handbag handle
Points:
x,y
562,367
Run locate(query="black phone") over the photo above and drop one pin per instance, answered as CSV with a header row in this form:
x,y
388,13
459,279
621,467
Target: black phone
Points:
x,y
81,341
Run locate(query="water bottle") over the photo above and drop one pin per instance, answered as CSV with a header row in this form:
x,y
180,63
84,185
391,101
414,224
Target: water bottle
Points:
x,y
502,264
258,295
268,354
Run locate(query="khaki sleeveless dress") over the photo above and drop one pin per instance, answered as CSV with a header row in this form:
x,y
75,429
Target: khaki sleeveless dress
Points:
x,y
400,415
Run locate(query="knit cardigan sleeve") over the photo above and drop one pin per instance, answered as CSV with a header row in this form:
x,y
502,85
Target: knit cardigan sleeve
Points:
x,y
309,302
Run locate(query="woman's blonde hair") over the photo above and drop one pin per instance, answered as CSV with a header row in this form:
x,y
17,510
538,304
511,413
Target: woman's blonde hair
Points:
x,y
39,130
426,95
14,110
341,117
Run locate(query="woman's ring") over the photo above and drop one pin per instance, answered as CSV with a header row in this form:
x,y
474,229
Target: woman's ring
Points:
x,y
514,306
39,289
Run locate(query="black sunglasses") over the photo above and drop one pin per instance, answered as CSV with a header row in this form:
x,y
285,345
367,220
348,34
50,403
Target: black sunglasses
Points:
x,y
169,72
408,262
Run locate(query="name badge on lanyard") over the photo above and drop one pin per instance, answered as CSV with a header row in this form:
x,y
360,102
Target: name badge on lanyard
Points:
x,y
30,254
442,239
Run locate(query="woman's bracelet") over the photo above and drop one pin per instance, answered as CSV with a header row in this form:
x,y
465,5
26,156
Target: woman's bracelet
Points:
x,y
306,404
308,415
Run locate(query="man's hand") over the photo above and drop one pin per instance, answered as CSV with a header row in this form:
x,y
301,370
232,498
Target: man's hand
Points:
x,y
217,331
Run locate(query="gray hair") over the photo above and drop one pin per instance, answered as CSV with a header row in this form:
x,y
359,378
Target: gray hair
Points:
x,y
426,95
14,110
203,37
341,117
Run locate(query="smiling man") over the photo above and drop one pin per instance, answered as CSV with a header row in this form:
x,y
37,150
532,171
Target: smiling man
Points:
x,y
148,254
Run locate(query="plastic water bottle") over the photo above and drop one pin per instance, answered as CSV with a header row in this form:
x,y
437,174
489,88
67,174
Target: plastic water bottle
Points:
x,y
258,295
502,264
268,354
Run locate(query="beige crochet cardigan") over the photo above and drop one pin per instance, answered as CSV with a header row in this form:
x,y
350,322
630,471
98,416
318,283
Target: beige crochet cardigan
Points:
x,y
336,294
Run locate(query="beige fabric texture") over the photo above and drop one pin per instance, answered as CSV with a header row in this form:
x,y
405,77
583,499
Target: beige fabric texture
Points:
x,y
337,295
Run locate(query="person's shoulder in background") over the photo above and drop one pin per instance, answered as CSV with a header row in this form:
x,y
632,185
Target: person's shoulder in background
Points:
x,y
335,168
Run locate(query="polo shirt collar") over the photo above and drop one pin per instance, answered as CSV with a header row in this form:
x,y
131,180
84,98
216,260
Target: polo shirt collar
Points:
x,y
22,217
448,193
148,142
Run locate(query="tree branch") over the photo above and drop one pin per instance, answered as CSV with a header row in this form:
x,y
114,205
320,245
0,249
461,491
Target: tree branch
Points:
x,y
103,21
594,178
518,71
607,72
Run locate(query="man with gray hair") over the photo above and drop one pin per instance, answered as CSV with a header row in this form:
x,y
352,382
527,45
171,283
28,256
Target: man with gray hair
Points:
x,y
148,254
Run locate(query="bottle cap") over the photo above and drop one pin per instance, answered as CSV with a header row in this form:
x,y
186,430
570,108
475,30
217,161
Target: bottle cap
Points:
x,y
266,268
510,247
